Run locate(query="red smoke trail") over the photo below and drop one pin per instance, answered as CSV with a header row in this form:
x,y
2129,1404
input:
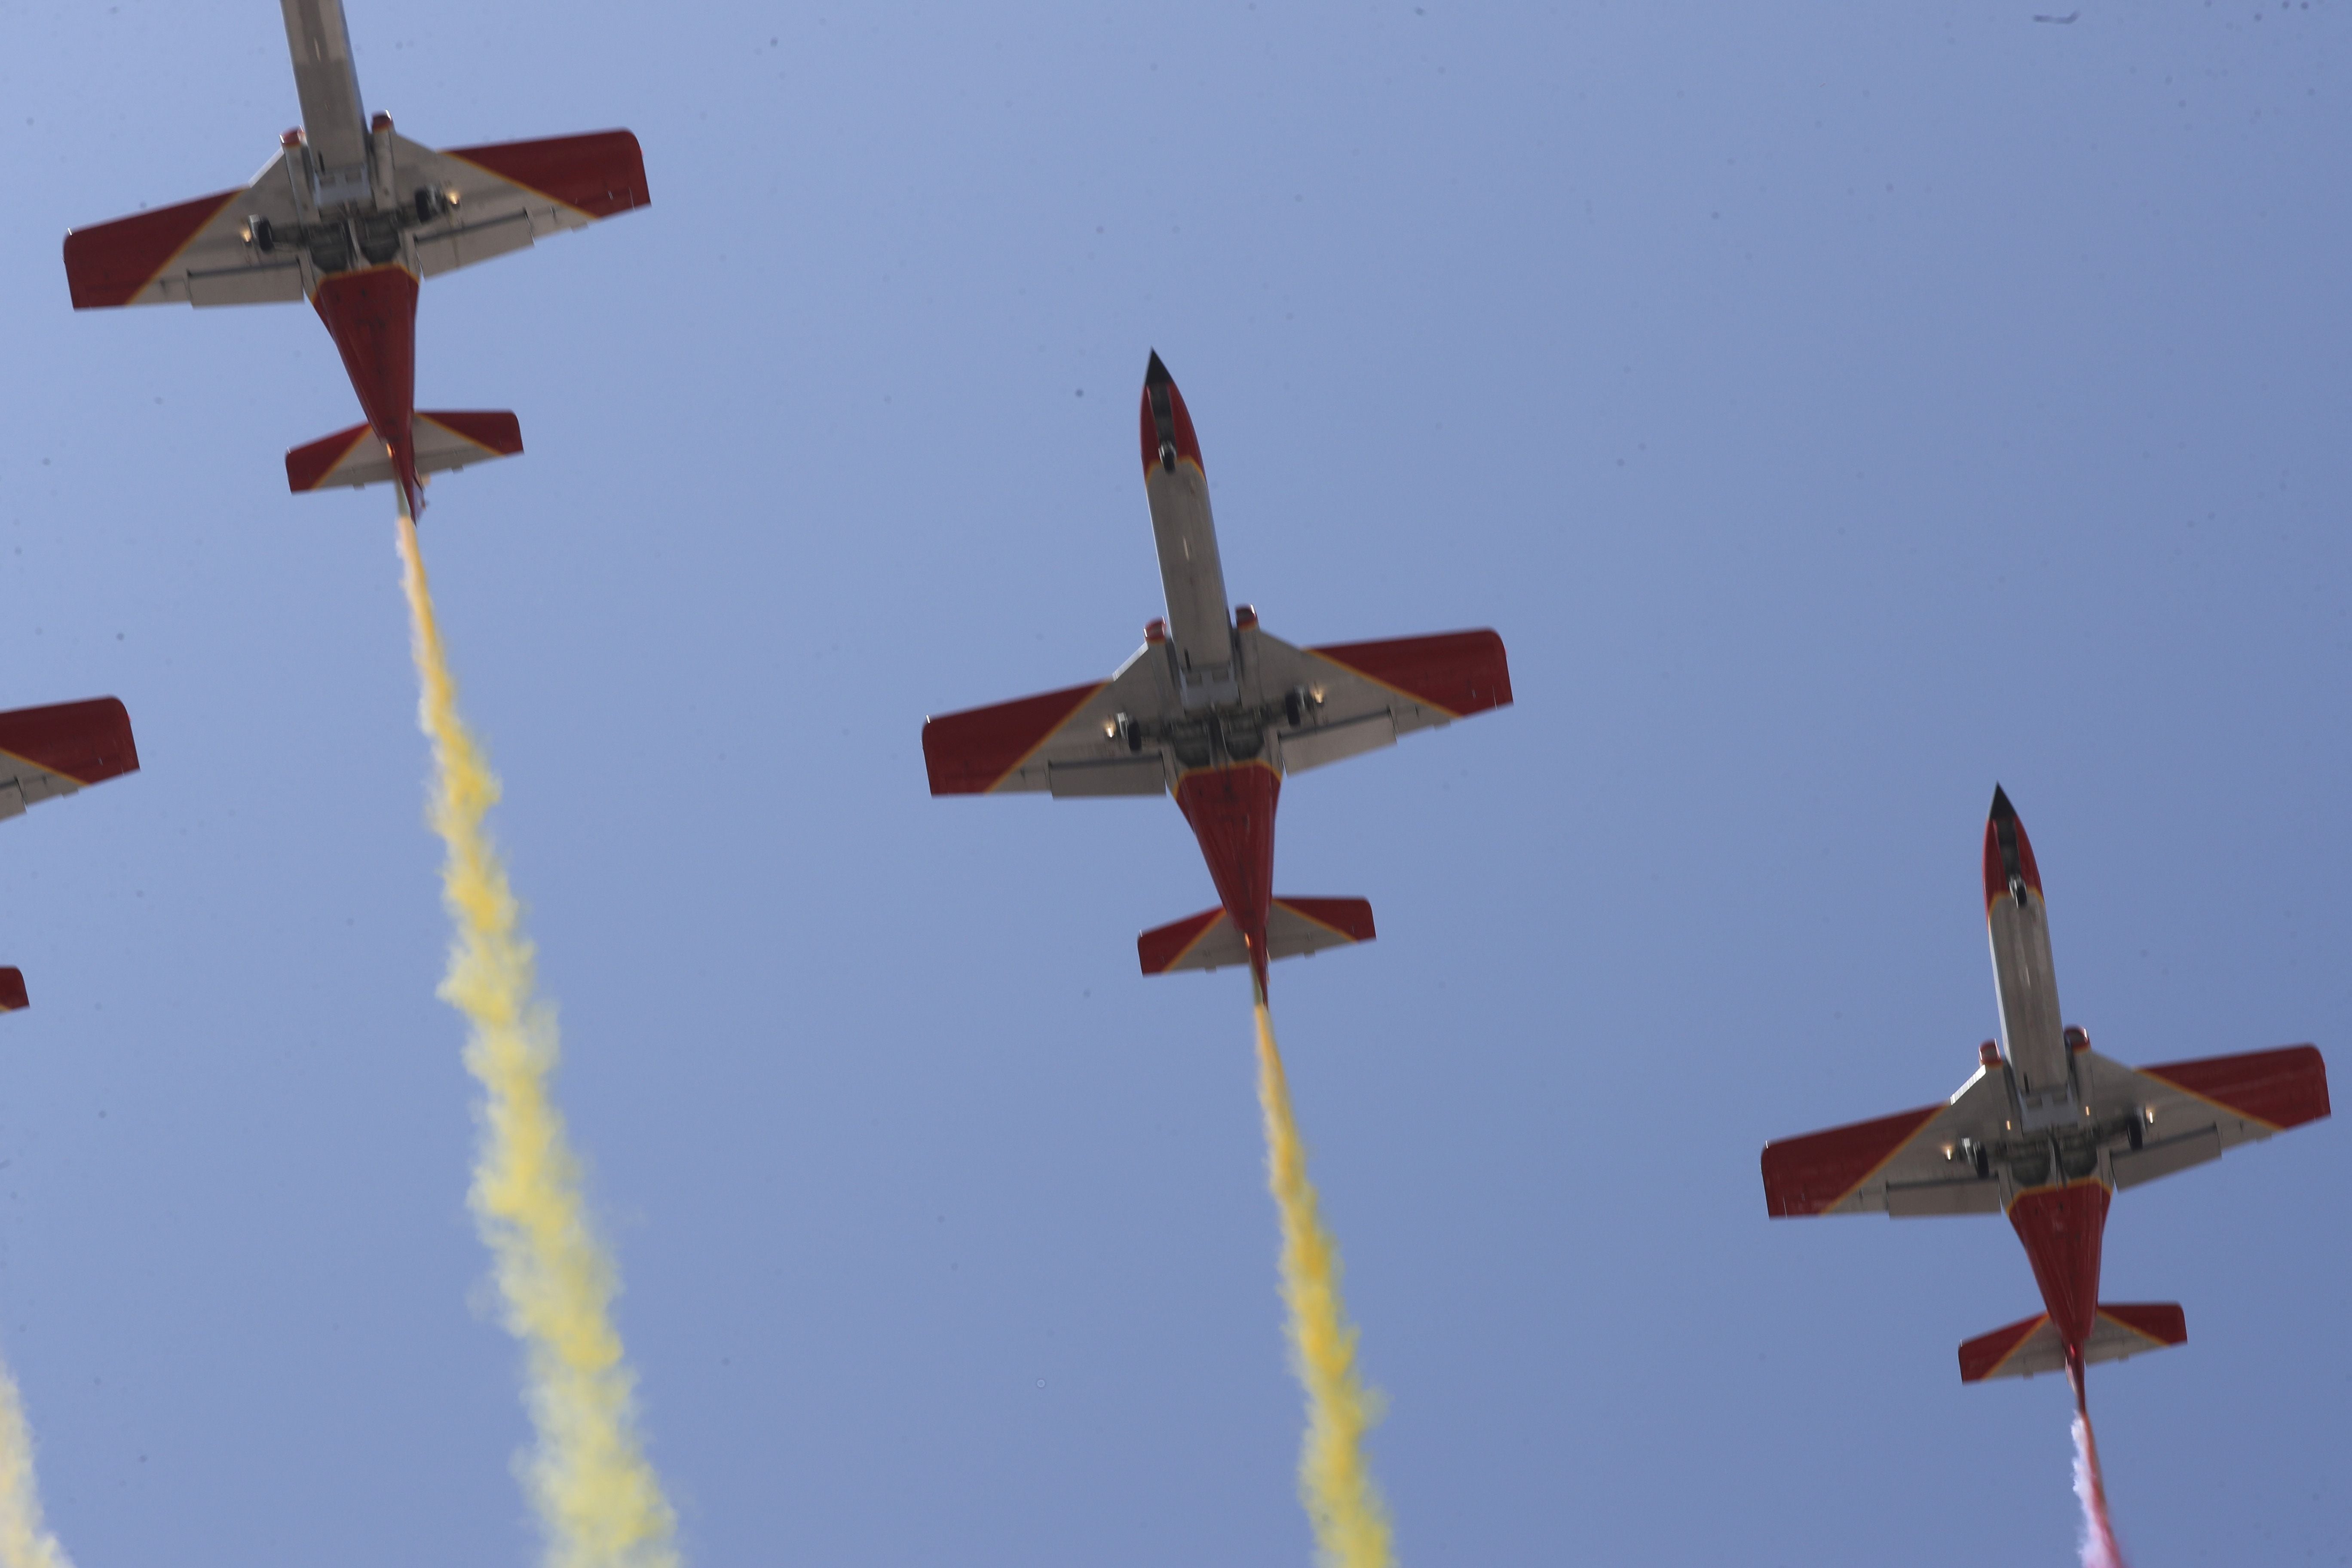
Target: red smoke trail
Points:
x,y
2099,1548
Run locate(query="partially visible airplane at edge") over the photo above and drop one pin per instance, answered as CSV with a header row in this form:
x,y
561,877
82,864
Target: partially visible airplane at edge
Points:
x,y
352,215
1217,711
53,751
2046,1131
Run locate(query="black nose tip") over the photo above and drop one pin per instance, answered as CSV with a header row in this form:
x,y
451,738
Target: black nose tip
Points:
x,y
1155,373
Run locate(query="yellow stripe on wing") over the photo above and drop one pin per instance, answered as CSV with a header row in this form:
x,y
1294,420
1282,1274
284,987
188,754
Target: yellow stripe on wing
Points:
x,y
1043,741
2222,1106
1413,697
1289,908
1925,1122
195,235
1198,938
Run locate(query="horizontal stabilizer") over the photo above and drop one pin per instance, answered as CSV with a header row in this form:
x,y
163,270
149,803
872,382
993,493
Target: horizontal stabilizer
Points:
x,y
12,990
2032,1345
445,440
1210,941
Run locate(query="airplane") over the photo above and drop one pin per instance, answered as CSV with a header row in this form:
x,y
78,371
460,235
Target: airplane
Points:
x,y
2047,1130
352,215
53,751
1216,711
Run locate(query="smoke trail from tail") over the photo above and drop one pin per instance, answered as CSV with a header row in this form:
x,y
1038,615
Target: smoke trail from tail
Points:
x,y
2099,1548
596,1495
1335,1479
25,1541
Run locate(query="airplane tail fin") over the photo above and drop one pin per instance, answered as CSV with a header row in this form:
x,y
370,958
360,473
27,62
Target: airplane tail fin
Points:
x,y
1211,941
2032,1345
12,990
445,440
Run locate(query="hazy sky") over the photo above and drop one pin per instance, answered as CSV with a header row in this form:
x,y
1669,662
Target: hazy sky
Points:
x,y
1837,408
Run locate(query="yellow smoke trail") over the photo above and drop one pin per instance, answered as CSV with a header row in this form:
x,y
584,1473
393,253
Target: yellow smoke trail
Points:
x,y
1334,1477
25,1541
597,1497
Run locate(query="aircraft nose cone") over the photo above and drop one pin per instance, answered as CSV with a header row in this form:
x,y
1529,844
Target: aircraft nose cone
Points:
x,y
1155,373
2009,867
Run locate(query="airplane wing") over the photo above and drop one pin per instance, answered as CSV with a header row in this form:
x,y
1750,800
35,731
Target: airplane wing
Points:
x,y
57,749
1362,696
200,253
1905,1165
2177,1115
487,201
1065,741
246,246
2191,1112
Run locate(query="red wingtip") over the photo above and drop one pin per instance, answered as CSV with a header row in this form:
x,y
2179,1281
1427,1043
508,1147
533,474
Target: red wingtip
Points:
x,y
87,742
11,990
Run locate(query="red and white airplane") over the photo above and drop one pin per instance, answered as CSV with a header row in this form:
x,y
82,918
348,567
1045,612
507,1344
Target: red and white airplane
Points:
x,y
351,215
53,751
1217,711
2046,1131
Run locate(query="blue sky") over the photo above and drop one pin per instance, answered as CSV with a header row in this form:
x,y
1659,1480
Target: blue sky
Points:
x,y
1837,408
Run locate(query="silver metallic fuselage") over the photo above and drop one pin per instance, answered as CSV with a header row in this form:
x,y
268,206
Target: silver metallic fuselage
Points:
x,y
333,123
1199,624
2033,1035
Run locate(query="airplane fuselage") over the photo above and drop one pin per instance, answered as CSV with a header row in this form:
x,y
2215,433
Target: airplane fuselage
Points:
x,y
1229,800
2056,1183
341,167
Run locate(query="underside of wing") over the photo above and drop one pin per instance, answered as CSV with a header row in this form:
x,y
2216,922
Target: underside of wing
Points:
x,y
56,750
2185,1113
475,203
1361,696
208,251
1067,741
1912,1163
